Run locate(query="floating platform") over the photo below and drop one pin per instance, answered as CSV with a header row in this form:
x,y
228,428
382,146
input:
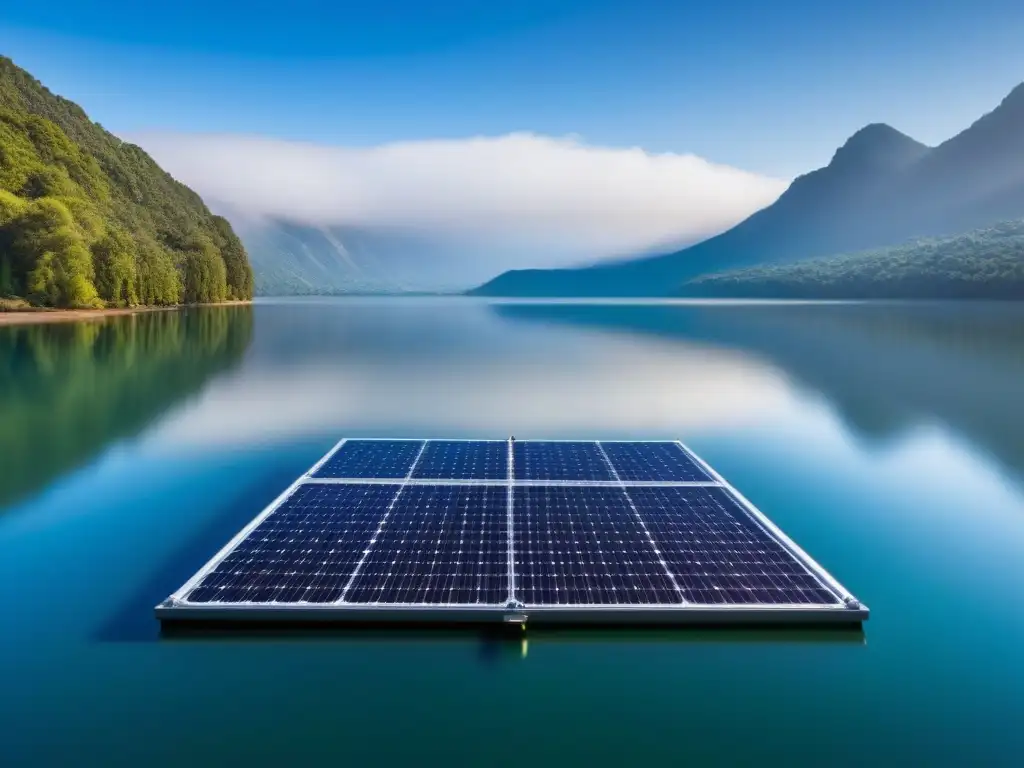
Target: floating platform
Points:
x,y
514,532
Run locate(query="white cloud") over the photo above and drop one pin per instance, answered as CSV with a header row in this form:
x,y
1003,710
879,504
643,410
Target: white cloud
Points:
x,y
553,200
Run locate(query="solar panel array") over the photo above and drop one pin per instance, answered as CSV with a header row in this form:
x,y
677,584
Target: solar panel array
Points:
x,y
513,524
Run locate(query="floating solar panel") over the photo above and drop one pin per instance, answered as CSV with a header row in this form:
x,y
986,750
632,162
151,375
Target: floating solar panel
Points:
x,y
583,545
305,551
555,460
495,530
391,459
463,460
438,545
718,553
660,462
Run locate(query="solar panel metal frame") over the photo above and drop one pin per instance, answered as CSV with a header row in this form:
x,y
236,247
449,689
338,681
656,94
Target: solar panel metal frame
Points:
x,y
847,609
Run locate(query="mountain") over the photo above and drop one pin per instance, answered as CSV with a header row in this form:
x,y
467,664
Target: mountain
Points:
x,y
88,220
292,258
982,264
881,187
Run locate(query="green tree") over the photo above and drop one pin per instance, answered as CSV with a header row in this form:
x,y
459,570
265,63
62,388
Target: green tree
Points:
x,y
158,281
204,274
86,218
49,249
116,269
6,276
11,208
236,263
48,181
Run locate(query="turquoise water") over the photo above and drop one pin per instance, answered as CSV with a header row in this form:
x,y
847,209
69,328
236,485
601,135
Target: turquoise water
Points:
x,y
887,440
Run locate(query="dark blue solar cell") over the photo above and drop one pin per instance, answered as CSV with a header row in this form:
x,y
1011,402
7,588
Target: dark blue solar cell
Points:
x,y
304,551
718,553
665,462
543,460
463,460
578,545
441,544
372,458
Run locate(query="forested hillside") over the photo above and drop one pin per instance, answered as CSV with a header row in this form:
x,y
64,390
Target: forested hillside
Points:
x,y
87,220
983,264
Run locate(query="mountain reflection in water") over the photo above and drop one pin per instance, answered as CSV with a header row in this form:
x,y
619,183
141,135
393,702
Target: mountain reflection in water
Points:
x,y
885,368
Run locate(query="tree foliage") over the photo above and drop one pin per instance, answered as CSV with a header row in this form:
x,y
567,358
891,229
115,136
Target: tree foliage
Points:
x,y
87,220
983,264
117,278
238,271
205,276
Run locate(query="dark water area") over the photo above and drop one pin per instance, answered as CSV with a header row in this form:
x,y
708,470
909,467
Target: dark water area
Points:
x,y
887,440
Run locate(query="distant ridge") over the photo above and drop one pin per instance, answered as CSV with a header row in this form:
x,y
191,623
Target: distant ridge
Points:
x,y
880,147
880,188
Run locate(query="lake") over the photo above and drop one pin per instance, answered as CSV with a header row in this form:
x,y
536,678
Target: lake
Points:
x,y
887,440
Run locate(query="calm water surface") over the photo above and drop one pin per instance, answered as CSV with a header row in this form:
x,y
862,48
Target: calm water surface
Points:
x,y
887,440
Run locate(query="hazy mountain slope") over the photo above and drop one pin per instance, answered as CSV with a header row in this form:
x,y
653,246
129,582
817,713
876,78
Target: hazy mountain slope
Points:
x,y
296,259
984,263
978,173
87,220
880,188
291,258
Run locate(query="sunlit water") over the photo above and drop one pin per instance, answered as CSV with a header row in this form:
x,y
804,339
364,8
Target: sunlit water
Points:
x,y
888,441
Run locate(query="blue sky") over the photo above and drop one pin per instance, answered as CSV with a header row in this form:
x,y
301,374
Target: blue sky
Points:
x,y
771,88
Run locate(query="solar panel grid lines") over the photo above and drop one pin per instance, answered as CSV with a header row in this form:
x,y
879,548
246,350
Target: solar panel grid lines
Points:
x,y
380,526
823,577
633,508
657,462
445,481
580,546
239,537
440,545
720,554
798,552
361,458
559,460
510,503
323,460
463,460
302,552
484,529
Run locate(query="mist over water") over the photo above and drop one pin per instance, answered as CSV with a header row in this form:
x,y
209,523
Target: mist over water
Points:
x,y
887,440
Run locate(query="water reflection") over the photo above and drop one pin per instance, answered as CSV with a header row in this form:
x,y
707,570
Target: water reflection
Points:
x,y
454,368
496,643
885,368
501,645
68,390
923,533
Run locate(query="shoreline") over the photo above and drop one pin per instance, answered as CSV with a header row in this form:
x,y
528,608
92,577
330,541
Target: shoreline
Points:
x,y
35,316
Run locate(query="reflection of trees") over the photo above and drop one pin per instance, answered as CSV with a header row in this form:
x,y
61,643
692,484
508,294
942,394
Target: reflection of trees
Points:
x,y
67,390
884,367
